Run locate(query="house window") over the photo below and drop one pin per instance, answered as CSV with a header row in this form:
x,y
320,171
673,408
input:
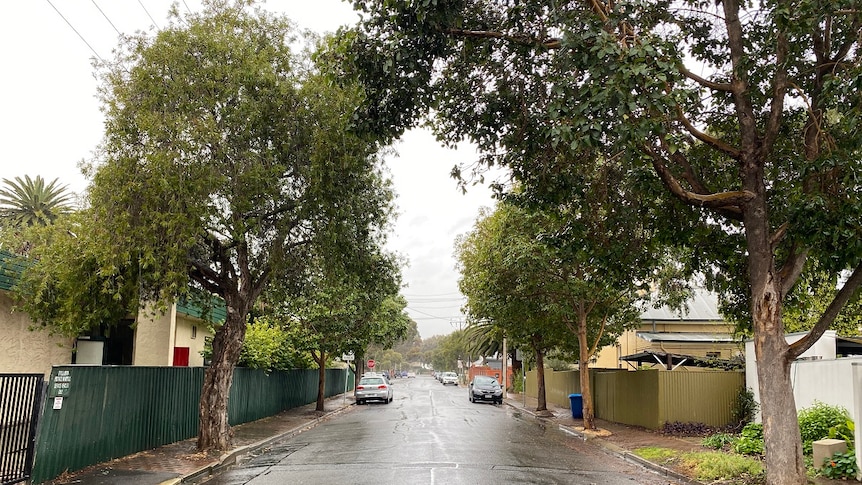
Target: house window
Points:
x,y
194,331
713,355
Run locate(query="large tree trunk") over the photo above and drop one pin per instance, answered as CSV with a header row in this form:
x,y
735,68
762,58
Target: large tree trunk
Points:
x,y
214,431
540,382
584,374
321,379
782,441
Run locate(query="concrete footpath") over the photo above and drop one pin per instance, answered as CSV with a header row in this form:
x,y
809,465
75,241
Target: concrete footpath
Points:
x,y
181,463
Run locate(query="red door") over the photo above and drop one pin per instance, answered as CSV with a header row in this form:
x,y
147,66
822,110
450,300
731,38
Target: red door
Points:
x,y
181,356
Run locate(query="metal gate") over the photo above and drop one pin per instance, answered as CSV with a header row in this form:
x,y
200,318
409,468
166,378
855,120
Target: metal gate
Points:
x,y
20,402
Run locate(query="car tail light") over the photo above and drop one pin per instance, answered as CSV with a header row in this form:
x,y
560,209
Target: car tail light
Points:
x,y
382,386
359,388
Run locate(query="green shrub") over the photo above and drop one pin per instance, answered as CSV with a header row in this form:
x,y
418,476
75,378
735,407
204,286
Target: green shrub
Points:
x,y
840,466
718,441
816,421
845,431
750,441
711,465
518,383
744,407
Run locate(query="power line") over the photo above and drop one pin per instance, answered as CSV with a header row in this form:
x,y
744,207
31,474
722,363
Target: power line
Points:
x,y
428,315
148,14
408,295
106,17
75,30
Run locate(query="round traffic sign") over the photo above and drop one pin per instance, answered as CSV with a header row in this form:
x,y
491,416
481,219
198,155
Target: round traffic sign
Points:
x,y
370,363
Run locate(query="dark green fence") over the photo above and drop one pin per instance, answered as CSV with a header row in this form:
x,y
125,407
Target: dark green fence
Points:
x,y
97,413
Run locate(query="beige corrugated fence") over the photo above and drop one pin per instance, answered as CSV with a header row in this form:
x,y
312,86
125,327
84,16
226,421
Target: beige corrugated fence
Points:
x,y
650,398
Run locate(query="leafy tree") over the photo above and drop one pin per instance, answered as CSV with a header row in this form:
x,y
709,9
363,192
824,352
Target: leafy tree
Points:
x,y
746,113
345,309
226,160
449,350
545,278
64,286
26,202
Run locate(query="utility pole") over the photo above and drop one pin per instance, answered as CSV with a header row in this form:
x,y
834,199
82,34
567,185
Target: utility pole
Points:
x,y
505,367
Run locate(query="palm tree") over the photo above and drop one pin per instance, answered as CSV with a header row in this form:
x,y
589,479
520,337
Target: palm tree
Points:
x,y
31,201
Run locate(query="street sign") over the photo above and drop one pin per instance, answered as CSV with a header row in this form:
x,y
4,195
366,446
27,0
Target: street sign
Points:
x,y
347,357
370,363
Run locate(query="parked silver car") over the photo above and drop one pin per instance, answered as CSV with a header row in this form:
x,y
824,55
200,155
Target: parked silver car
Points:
x,y
373,388
449,378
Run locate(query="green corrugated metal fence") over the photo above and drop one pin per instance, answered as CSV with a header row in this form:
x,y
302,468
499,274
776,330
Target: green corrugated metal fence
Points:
x,y
113,411
650,398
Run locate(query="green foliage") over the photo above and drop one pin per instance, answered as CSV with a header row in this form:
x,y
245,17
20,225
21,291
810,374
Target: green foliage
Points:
x,y
518,383
698,126
844,431
718,441
745,407
66,286
840,466
268,346
750,441
709,466
816,421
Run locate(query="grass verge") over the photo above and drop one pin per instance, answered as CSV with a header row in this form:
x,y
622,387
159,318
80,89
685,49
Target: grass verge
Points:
x,y
708,466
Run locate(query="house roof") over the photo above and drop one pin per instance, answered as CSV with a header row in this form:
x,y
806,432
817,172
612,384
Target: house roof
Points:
x,y
662,358
703,306
10,270
216,313
693,337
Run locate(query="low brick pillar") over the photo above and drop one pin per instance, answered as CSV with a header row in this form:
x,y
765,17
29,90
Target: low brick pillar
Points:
x,y
824,449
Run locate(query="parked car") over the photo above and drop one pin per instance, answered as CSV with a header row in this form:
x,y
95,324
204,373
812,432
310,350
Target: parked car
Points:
x,y
449,378
373,388
411,374
485,388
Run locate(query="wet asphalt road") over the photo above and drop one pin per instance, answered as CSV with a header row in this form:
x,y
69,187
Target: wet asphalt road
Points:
x,y
432,434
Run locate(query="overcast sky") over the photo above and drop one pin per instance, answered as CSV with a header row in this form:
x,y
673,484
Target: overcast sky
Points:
x,y
51,120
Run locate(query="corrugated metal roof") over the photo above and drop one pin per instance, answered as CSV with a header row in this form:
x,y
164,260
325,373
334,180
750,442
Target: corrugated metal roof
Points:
x,y
686,337
703,306
216,313
10,270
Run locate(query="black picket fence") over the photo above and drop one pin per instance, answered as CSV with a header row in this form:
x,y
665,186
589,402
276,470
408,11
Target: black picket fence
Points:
x,y
20,401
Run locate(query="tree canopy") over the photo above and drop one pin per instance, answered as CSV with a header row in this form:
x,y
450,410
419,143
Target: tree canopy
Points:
x,y
744,114
226,163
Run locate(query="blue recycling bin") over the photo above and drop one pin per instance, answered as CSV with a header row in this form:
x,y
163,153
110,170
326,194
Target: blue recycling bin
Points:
x,y
577,403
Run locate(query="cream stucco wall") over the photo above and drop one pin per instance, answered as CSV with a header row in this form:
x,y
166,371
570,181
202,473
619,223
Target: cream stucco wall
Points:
x,y
191,332
154,337
28,351
157,335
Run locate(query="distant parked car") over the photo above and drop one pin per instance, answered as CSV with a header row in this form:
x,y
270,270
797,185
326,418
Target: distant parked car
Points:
x,y
486,388
411,374
449,378
404,373
373,388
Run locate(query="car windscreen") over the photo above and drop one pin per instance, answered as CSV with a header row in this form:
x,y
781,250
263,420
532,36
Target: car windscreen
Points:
x,y
485,381
371,381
